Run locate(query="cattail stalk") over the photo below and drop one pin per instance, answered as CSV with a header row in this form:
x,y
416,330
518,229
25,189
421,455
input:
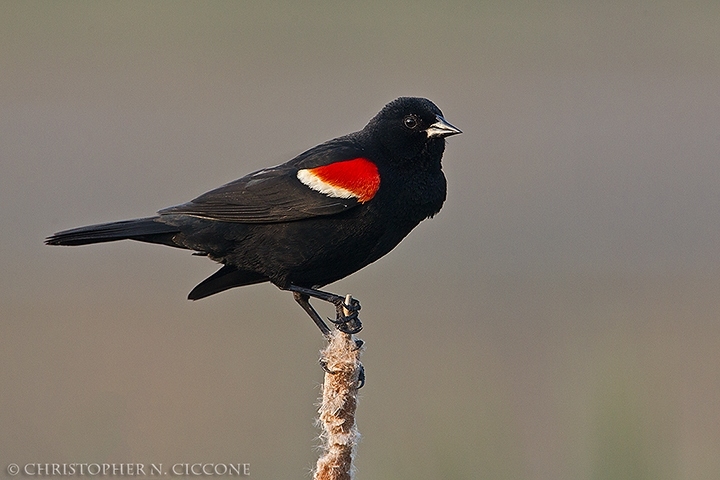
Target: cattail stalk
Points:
x,y
340,435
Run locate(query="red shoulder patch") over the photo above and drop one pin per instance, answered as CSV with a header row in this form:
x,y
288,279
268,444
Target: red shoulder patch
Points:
x,y
358,178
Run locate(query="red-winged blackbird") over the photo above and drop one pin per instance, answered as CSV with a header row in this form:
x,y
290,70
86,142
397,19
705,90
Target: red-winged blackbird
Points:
x,y
311,221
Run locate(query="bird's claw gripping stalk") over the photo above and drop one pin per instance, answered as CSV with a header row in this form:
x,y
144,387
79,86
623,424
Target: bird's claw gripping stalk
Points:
x,y
361,372
347,310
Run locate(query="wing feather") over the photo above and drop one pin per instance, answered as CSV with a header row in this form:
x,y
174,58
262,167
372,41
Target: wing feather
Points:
x,y
273,195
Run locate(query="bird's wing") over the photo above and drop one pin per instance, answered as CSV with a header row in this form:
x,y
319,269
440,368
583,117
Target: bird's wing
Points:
x,y
308,186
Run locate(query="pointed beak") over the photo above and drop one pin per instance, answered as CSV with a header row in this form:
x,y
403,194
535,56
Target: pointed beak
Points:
x,y
441,129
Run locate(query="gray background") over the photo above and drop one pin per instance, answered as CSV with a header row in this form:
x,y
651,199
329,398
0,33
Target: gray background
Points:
x,y
557,320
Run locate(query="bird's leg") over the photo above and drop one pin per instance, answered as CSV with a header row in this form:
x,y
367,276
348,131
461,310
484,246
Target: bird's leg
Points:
x,y
347,320
304,301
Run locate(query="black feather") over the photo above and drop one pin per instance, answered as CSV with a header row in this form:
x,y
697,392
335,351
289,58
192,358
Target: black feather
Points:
x,y
275,194
225,278
148,229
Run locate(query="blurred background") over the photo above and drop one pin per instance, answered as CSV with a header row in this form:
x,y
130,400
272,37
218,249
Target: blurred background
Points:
x,y
559,319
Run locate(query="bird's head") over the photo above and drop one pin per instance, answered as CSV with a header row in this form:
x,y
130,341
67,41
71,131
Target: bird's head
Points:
x,y
409,125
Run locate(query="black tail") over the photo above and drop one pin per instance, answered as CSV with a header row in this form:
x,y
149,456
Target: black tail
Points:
x,y
149,229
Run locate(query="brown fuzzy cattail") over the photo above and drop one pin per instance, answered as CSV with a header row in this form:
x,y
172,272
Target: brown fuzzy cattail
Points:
x,y
337,411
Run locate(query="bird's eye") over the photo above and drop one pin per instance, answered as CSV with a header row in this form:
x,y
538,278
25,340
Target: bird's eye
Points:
x,y
410,122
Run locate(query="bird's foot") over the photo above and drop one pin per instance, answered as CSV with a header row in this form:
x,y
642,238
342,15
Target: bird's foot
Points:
x,y
347,311
361,369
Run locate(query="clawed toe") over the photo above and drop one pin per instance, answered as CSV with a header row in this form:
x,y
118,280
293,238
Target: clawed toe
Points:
x,y
361,377
346,309
361,373
324,366
347,320
352,307
349,324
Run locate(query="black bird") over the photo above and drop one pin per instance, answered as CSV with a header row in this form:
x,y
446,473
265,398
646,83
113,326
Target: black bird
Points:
x,y
323,215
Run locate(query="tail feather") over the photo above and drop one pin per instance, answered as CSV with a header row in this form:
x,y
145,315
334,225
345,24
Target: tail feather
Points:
x,y
225,278
148,229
